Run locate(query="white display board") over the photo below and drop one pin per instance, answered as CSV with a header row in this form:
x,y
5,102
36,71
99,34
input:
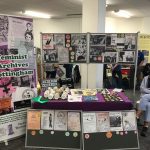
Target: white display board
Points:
x,y
12,125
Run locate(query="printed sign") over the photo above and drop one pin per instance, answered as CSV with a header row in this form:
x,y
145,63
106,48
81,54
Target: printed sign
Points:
x,y
17,61
49,83
12,125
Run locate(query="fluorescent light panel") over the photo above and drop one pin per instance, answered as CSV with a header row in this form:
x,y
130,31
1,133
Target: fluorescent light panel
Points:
x,y
122,13
36,14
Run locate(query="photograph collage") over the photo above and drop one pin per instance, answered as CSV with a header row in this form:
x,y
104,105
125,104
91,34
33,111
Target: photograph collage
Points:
x,y
103,48
58,120
19,81
112,48
64,48
114,121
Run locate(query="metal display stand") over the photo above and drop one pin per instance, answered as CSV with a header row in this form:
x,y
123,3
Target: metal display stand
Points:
x,y
88,53
91,141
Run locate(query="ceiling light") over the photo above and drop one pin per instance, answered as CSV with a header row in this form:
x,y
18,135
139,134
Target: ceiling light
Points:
x,y
122,13
36,14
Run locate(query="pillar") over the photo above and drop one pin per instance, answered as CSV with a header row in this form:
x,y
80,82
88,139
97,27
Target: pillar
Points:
x,y
93,21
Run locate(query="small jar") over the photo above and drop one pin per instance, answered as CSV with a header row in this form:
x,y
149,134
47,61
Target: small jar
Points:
x,y
56,96
50,96
46,93
64,96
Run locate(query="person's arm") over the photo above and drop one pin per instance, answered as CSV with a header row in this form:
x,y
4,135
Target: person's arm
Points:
x,y
141,63
142,59
143,87
114,66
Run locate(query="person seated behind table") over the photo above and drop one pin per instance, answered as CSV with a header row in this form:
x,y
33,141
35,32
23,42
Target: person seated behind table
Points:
x,y
68,68
51,71
144,105
116,70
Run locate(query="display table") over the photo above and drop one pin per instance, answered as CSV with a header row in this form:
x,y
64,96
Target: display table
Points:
x,y
99,105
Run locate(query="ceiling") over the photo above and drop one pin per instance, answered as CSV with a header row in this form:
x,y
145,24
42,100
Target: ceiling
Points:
x,y
72,8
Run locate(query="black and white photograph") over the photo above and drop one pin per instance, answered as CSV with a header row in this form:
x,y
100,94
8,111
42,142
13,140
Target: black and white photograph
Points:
x,y
129,121
96,50
110,57
96,54
115,121
50,56
78,39
120,41
23,81
111,39
98,39
3,30
80,53
130,41
127,56
59,40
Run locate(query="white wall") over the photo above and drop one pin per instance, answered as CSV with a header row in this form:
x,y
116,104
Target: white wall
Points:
x,y
69,25
131,25
145,27
117,25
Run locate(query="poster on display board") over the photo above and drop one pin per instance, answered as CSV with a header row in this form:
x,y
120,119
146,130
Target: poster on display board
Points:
x,y
112,48
17,63
64,48
12,125
144,46
126,56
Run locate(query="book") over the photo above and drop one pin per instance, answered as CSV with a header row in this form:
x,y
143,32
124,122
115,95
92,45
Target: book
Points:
x,y
74,98
76,92
90,98
89,92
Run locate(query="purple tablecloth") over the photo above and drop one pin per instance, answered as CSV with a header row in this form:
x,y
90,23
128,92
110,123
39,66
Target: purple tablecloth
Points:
x,y
99,105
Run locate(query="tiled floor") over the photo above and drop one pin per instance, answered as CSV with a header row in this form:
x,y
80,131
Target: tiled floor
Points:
x,y
19,144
